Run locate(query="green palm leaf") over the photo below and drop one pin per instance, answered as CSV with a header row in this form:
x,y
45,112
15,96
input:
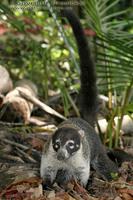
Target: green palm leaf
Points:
x,y
114,56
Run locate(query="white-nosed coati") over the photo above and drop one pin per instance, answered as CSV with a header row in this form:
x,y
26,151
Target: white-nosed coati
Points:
x,y
75,145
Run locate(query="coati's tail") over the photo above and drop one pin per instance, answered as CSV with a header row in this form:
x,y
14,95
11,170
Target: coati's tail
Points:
x,y
88,91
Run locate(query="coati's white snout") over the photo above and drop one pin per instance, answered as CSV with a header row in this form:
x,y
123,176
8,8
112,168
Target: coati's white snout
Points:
x,y
62,154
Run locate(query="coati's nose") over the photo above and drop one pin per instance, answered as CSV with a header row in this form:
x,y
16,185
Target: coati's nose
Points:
x,y
62,154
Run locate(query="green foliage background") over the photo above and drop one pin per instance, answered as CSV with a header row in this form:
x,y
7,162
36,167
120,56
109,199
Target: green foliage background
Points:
x,y
49,56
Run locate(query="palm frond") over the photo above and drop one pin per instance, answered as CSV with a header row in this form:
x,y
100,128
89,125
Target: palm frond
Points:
x,y
99,13
114,57
115,62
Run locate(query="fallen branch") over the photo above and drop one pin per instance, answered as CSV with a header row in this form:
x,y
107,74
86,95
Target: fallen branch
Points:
x,y
36,154
26,157
41,105
12,158
15,144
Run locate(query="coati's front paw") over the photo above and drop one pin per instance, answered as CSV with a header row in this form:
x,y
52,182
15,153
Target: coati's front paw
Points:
x,y
63,177
46,181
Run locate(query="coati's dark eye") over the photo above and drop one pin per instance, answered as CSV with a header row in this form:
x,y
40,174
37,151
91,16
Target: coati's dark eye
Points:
x,y
56,145
71,145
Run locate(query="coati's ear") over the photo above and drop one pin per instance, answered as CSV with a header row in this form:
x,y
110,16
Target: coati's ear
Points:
x,y
81,133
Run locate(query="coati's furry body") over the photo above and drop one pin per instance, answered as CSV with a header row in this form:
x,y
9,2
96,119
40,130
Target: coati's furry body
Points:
x,y
62,170
75,145
91,152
